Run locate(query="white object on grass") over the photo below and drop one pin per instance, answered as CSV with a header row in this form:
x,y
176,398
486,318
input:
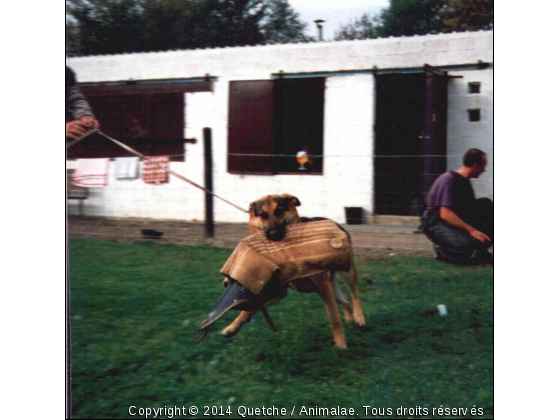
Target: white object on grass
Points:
x,y
442,310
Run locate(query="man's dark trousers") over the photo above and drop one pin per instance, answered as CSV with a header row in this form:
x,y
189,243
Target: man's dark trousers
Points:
x,y
456,243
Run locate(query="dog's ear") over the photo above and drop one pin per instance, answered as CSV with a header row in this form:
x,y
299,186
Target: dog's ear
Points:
x,y
294,200
252,208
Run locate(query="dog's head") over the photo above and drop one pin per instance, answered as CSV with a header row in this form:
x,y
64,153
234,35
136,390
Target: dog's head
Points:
x,y
272,213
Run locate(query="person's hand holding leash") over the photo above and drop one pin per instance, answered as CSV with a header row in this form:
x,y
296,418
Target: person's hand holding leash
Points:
x,y
75,129
89,122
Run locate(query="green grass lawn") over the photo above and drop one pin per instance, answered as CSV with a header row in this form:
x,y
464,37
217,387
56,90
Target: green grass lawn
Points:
x,y
134,308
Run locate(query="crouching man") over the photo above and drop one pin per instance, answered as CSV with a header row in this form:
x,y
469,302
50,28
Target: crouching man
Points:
x,y
461,226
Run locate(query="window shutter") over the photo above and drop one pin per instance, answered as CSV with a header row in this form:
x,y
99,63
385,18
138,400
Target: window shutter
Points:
x,y
251,126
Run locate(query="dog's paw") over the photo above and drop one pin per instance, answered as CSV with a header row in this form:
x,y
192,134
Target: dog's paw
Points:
x,y
228,332
341,344
360,319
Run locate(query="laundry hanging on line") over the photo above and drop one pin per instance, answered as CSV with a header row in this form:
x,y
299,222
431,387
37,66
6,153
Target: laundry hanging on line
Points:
x,y
91,172
153,174
127,168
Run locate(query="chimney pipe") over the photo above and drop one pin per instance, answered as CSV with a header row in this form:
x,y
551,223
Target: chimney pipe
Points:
x,y
320,28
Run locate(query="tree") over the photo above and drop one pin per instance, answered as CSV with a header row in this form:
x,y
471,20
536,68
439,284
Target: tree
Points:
x,y
117,26
166,24
105,27
224,23
469,15
282,24
420,17
411,17
366,27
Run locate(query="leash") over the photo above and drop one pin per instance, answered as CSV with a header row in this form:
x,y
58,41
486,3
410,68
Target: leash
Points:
x,y
83,136
268,319
204,330
140,155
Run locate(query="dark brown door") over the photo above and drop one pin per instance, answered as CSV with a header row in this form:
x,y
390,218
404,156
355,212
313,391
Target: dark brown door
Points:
x,y
434,133
398,163
251,127
410,139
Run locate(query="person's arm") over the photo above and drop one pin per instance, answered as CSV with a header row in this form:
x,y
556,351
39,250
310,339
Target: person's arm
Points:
x,y
80,108
450,217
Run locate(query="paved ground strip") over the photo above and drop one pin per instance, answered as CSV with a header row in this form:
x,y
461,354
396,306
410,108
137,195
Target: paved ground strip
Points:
x,y
368,240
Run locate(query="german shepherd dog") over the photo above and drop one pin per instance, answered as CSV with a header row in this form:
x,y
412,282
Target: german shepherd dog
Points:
x,y
272,214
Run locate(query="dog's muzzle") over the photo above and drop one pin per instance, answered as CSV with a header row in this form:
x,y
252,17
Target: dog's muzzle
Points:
x,y
277,233
240,298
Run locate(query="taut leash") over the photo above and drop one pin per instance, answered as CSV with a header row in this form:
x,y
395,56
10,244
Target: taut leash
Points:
x,y
83,136
140,155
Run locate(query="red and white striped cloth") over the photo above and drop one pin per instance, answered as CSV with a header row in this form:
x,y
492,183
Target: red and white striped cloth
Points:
x,y
152,174
91,172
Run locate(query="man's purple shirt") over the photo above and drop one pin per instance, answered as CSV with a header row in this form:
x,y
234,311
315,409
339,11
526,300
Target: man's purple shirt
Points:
x,y
449,190
441,192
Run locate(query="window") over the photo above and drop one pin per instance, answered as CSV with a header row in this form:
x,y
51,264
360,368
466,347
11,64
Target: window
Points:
x,y
149,117
150,124
270,121
474,87
474,115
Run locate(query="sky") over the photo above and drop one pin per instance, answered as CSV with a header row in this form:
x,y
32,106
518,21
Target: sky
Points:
x,y
334,12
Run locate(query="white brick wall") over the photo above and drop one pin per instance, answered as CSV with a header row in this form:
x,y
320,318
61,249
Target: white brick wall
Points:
x,y
463,135
347,179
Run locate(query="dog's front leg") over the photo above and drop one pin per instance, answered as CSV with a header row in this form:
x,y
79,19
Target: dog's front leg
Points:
x,y
233,328
325,290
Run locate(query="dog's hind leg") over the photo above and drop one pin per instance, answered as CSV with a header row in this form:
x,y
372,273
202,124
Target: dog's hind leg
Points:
x,y
341,298
233,328
357,312
325,290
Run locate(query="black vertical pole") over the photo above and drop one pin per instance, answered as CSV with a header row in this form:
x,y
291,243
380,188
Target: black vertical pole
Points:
x,y
209,203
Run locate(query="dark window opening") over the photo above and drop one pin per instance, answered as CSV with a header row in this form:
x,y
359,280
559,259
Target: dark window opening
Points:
x,y
474,115
153,124
474,87
299,109
271,121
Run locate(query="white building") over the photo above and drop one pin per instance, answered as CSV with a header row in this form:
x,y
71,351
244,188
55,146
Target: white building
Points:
x,y
367,110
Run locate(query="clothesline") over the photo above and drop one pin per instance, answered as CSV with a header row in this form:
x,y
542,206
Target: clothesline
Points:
x,y
312,156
